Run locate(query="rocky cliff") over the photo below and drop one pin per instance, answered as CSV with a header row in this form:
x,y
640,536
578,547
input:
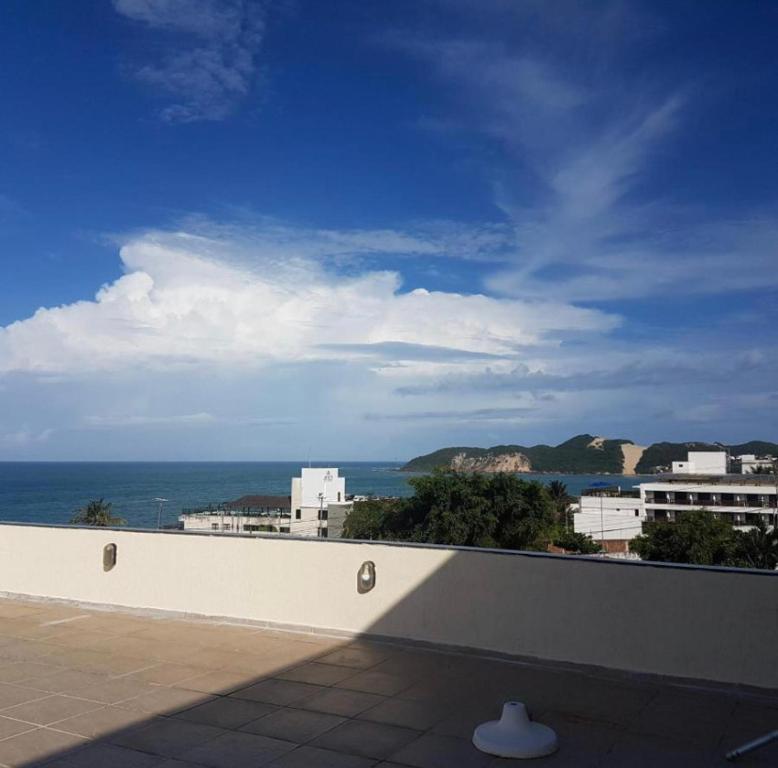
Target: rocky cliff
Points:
x,y
504,462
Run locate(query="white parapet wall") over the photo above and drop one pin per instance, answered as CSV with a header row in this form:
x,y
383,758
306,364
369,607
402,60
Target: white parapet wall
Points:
x,y
703,623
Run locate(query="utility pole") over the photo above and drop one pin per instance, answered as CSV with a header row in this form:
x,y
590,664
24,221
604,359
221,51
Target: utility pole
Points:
x,y
775,475
602,526
159,512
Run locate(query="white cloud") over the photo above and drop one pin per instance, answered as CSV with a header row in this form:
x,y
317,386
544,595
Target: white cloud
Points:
x,y
188,298
580,138
210,61
24,438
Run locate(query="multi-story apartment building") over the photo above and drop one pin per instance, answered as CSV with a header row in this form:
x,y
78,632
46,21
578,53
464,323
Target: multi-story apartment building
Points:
x,y
742,499
613,516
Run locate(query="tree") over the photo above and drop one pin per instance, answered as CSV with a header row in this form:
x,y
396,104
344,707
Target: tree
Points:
x,y
577,543
368,519
763,469
697,536
466,509
97,513
757,547
561,500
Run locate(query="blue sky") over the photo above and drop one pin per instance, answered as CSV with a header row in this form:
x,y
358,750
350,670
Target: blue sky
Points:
x,y
254,230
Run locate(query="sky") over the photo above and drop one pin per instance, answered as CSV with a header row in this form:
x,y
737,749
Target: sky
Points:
x,y
279,229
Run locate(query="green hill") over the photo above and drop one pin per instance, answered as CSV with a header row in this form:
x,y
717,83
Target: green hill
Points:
x,y
583,454
660,456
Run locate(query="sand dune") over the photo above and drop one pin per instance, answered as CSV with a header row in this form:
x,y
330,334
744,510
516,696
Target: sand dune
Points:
x,y
632,454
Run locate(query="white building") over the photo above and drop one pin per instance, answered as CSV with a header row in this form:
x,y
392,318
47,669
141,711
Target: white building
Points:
x,y
749,463
319,503
742,499
317,506
610,516
702,463
248,514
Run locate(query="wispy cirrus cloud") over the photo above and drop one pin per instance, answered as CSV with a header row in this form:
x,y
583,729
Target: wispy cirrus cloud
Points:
x,y
581,135
497,415
208,63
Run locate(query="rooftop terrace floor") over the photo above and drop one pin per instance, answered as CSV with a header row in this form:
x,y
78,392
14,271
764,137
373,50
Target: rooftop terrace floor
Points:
x,y
85,688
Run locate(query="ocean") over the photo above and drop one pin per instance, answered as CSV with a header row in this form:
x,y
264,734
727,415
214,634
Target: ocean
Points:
x,y
50,492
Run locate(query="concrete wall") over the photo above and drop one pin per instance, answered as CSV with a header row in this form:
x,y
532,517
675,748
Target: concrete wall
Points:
x,y
701,623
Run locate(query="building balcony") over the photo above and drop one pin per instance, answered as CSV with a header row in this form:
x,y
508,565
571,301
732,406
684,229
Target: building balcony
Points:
x,y
214,651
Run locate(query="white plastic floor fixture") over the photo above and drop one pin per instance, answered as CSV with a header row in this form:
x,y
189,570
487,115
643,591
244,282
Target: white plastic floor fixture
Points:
x,y
515,735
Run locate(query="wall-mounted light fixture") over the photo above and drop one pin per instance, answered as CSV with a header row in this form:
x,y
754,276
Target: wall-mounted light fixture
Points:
x,y
366,577
109,556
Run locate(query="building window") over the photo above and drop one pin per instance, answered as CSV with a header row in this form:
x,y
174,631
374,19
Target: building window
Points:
x,y
214,526
322,514
323,533
637,513
284,529
297,514
338,495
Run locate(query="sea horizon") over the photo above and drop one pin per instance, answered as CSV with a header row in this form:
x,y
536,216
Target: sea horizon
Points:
x,y
51,491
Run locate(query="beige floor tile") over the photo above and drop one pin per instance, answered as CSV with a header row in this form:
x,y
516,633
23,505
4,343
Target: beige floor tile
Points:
x,y
166,701
103,722
421,715
165,673
382,683
696,717
66,681
32,746
649,750
297,725
125,645
12,695
366,739
257,665
26,671
10,727
167,737
339,701
219,681
434,751
78,637
281,692
50,710
238,750
356,657
116,690
314,757
227,712
318,674
105,756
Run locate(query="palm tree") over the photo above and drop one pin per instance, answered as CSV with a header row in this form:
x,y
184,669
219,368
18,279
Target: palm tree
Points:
x,y
97,513
758,547
561,500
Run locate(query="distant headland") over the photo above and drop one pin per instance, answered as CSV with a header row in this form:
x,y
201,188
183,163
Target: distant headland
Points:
x,y
583,454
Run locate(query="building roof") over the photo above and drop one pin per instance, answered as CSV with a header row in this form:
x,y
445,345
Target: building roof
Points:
x,y
144,691
748,479
258,501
